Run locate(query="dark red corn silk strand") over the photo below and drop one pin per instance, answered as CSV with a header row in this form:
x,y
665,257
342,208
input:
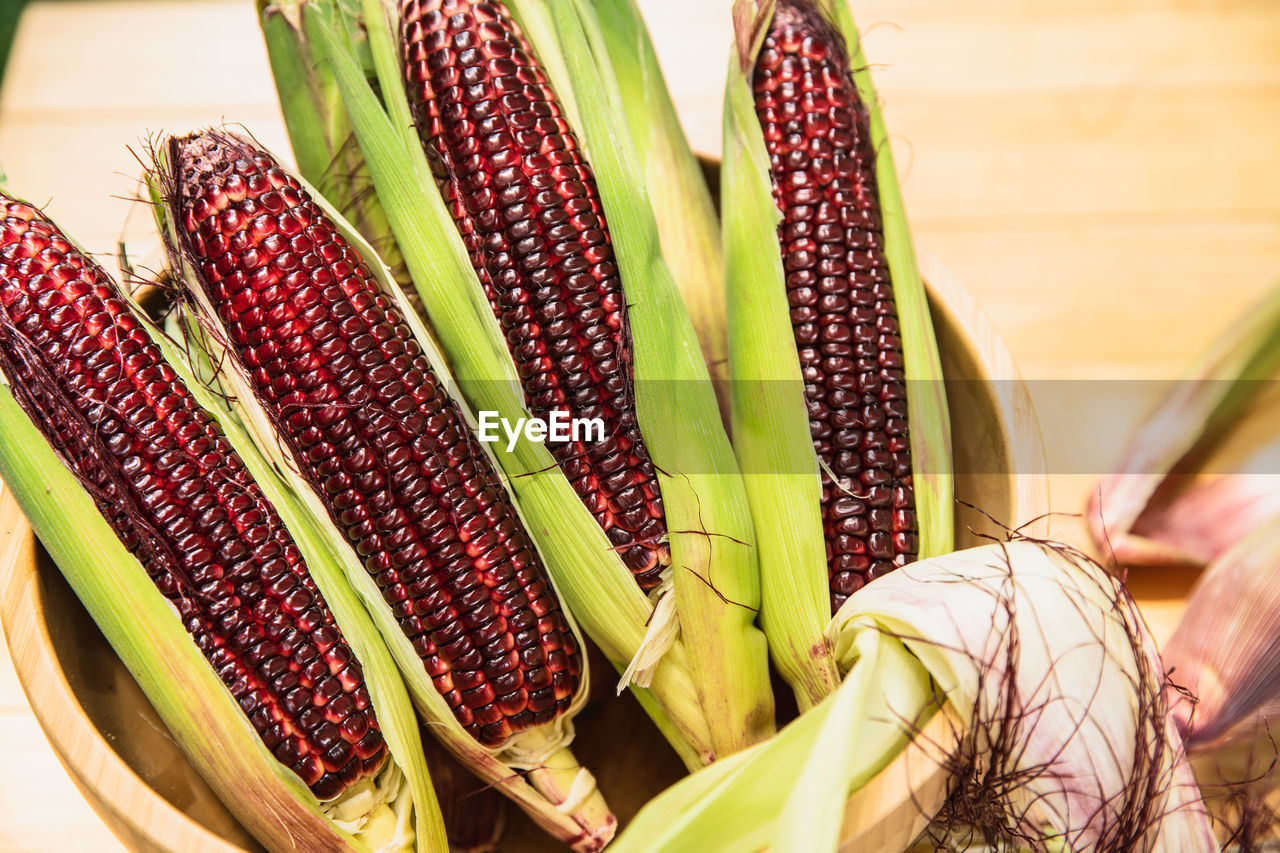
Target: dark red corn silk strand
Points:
x,y
525,200
373,430
817,133
181,500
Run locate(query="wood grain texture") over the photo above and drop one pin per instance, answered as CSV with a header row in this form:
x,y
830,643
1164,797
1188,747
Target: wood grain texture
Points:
x,y
1100,174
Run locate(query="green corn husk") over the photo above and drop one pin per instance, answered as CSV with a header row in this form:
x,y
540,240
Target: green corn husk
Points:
x,y
1155,510
324,147
678,190
1014,682
398,813
770,419
701,662
535,768
716,582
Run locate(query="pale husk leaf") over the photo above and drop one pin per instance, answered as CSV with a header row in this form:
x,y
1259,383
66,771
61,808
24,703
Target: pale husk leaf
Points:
x,y
1200,409
678,191
1226,648
1043,667
1040,628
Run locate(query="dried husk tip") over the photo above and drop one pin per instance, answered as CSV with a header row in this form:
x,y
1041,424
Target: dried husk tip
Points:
x,y
1225,651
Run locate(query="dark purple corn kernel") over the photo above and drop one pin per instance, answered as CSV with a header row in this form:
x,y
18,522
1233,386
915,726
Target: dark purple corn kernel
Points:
x,y
526,203
817,133
375,433
180,499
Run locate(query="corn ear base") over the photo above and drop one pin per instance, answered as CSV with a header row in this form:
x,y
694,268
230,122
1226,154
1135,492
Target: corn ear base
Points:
x,y
1224,648
768,409
535,768
145,631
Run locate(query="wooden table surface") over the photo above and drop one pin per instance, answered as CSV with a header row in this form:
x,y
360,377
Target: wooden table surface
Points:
x,y
1104,175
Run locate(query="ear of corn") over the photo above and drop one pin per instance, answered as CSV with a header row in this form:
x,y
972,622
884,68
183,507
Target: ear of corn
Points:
x,y
1129,516
392,810
785,408
596,584
715,575
556,791
524,198
442,273
769,410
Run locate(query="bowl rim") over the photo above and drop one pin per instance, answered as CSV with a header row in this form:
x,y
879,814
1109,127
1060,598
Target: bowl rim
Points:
x,y
1028,464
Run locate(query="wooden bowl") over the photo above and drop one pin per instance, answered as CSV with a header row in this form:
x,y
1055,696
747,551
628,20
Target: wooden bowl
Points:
x,y
120,756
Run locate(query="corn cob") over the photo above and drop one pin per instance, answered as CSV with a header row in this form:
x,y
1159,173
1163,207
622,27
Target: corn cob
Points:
x,y
829,325
373,431
180,499
822,164
525,201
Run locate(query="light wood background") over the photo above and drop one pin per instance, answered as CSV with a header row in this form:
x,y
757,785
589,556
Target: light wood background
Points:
x,y
1104,175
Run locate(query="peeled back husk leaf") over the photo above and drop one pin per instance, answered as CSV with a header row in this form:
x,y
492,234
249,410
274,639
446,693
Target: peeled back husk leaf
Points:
x,y
770,418
1223,658
1021,673
1151,511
